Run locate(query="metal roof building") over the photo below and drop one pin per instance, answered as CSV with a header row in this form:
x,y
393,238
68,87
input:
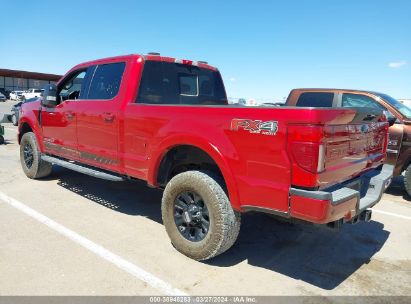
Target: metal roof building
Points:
x,y
11,80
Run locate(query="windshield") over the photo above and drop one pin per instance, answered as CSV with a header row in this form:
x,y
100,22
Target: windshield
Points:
x,y
402,108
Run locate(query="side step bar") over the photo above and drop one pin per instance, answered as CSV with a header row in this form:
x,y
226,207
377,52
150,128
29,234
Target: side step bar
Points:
x,y
81,169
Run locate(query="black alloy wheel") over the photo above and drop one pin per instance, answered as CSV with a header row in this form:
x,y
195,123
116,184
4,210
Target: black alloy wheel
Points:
x,y
28,155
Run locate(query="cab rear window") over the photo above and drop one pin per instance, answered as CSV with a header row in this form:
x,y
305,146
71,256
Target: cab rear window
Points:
x,y
315,99
174,83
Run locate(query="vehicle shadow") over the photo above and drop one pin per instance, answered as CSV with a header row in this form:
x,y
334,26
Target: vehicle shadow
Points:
x,y
313,254
128,197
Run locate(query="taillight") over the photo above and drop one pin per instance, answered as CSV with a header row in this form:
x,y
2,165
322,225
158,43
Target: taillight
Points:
x,y
185,61
306,147
309,156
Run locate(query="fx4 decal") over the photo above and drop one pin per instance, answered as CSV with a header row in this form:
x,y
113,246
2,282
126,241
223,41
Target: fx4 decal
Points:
x,y
255,126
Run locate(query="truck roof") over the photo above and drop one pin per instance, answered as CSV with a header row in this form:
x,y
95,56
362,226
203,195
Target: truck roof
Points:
x,y
150,57
334,89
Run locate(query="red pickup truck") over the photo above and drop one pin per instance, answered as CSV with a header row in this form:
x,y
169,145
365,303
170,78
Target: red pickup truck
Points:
x,y
168,122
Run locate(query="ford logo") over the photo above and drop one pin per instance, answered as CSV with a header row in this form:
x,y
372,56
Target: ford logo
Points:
x,y
364,128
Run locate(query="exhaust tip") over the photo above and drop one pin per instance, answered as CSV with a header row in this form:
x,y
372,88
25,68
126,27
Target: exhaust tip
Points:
x,y
336,225
355,220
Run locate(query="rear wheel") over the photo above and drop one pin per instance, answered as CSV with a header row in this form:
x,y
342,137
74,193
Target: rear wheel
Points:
x,y
30,158
407,179
198,216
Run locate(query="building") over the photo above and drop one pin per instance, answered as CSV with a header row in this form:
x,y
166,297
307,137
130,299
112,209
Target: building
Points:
x,y
12,80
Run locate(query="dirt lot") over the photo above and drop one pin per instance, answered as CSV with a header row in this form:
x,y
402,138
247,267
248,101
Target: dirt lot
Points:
x,y
71,234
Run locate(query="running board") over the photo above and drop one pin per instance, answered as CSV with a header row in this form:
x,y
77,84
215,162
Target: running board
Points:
x,y
81,169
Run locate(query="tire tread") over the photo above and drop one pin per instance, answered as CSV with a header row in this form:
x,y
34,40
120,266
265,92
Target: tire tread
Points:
x,y
228,222
40,168
407,179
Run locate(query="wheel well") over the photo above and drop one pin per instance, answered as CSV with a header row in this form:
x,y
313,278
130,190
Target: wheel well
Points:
x,y
184,158
24,129
406,164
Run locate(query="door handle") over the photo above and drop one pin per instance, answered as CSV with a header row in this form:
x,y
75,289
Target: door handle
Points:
x,y
108,117
69,115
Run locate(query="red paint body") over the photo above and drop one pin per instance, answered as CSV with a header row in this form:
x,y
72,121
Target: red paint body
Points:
x,y
258,169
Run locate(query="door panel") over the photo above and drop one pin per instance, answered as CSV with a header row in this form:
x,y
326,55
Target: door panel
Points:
x,y
59,129
59,123
97,132
396,132
98,121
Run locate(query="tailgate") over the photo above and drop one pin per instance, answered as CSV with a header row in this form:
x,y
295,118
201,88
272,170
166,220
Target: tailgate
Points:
x,y
354,148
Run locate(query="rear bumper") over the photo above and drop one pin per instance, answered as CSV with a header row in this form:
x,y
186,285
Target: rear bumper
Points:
x,y
344,201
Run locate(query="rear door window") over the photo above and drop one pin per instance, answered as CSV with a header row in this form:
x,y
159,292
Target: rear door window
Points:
x,y
362,101
316,99
357,100
106,81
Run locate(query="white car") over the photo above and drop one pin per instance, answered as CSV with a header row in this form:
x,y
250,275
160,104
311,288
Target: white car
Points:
x,y
15,95
248,102
31,93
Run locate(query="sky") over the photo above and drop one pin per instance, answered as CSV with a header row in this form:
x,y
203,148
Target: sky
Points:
x,y
263,49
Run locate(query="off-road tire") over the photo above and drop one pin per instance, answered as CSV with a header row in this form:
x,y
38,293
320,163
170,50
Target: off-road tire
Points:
x,y
224,221
407,180
39,167
14,120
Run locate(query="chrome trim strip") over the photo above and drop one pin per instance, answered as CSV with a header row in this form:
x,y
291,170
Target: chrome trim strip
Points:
x,y
248,208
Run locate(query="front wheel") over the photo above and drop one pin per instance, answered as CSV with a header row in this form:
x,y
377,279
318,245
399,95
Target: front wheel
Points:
x,y
198,216
30,158
407,179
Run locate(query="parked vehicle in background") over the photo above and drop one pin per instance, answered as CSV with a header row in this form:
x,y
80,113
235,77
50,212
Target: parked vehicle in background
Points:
x,y
5,93
32,93
399,115
167,121
1,134
15,110
15,95
248,102
2,97
272,104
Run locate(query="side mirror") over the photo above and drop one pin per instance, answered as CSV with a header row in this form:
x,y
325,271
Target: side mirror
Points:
x,y
49,99
391,120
